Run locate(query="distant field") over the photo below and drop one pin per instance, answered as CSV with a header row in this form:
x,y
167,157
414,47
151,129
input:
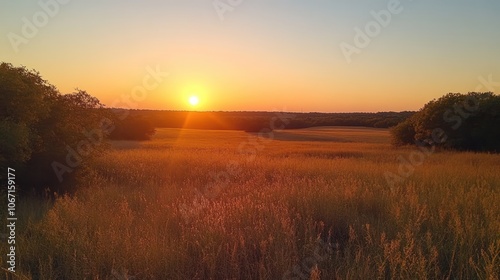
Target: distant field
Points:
x,y
314,203
335,134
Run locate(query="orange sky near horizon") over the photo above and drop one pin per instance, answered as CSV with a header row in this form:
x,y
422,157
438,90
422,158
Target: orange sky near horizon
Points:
x,y
281,55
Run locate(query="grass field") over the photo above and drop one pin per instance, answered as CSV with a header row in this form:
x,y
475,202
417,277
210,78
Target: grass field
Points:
x,y
297,204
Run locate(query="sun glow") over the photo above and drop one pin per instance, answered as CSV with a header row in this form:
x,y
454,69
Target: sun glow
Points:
x,y
194,100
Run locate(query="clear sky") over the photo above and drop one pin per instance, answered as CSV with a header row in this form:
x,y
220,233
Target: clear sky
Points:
x,y
260,55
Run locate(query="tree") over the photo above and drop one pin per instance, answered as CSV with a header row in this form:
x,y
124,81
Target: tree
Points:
x,y
25,99
464,122
38,124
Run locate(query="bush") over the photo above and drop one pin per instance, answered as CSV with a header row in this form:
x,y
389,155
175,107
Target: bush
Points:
x,y
132,128
403,133
256,126
463,121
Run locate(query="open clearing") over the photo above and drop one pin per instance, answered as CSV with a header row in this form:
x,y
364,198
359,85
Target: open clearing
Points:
x,y
297,204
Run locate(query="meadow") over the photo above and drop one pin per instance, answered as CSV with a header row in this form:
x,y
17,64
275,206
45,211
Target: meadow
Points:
x,y
297,204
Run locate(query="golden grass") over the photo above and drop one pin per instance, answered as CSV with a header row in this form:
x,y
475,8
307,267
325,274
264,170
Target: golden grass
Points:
x,y
280,209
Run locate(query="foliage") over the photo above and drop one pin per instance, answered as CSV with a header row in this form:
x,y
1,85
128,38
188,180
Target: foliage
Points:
x,y
255,121
25,98
132,128
404,132
455,121
37,124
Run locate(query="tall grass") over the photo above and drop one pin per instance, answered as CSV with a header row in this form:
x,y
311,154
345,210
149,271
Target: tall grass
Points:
x,y
298,210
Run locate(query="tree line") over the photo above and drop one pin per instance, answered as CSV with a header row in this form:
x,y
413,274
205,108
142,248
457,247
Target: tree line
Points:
x,y
255,121
47,135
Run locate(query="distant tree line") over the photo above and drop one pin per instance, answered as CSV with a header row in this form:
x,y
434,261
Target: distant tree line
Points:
x,y
132,128
50,136
469,122
255,121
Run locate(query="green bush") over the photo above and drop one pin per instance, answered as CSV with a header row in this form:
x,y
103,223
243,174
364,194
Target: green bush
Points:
x,y
455,121
403,133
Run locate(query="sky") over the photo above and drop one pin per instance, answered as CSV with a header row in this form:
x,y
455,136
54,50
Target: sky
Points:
x,y
256,55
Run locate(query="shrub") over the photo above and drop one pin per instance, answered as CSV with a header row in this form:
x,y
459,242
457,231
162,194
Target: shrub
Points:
x,y
403,133
132,128
466,122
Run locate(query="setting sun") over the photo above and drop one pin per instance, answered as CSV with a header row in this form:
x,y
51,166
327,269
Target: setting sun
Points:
x,y
194,100
232,139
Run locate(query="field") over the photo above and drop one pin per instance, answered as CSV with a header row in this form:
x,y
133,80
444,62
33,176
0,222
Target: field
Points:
x,y
319,203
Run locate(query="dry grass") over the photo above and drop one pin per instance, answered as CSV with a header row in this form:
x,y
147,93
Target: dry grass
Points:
x,y
289,209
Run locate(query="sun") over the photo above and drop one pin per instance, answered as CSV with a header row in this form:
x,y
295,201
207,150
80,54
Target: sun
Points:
x,y
194,100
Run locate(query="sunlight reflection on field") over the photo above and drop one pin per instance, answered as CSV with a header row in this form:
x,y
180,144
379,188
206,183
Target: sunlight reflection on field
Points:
x,y
267,211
